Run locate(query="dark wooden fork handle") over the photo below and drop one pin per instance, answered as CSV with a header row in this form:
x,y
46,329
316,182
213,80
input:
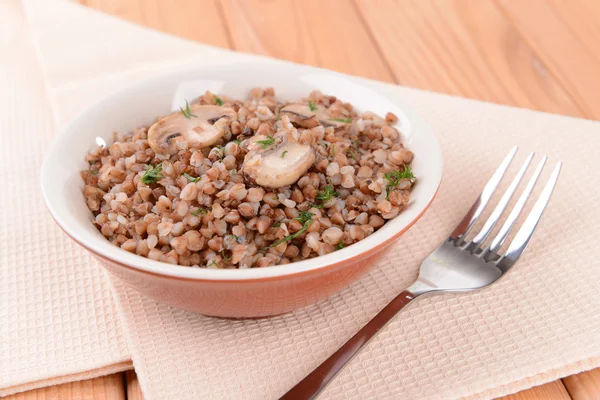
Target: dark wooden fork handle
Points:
x,y
313,383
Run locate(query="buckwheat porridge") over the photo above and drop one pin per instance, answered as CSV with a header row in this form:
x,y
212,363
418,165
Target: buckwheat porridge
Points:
x,y
225,183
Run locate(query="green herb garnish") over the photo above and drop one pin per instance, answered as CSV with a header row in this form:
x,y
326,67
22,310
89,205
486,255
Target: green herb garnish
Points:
x,y
200,211
233,171
219,101
304,217
216,264
306,223
344,120
312,106
326,146
394,177
333,150
340,245
352,153
283,154
152,174
224,256
187,112
93,172
219,152
276,224
191,178
266,142
237,141
323,196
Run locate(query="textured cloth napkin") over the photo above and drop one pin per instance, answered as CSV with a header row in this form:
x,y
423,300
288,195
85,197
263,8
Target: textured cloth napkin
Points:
x,y
537,324
57,320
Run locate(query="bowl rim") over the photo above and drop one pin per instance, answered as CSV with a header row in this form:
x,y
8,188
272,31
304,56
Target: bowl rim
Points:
x,y
364,248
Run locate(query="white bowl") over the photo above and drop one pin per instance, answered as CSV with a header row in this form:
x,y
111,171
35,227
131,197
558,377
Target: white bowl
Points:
x,y
142,103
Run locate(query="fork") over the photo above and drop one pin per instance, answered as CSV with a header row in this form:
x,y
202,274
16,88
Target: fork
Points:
x,y
458,265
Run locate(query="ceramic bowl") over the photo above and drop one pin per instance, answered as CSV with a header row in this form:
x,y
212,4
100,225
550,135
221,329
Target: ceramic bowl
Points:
x,y
245,293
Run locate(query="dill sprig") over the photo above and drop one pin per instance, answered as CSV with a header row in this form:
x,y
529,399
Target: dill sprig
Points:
x,y
153,174
191,178
283,154
219,101
218,151
187,112
305,218
200,211
343,120
352,153
394,178
312,106
323,196
266,142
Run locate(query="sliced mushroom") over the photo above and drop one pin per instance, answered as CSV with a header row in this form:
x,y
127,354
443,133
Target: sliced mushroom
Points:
x,y
204,127
278,165
302,115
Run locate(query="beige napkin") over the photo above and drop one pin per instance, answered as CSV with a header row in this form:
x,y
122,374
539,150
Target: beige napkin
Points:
x,y
57,321
536,325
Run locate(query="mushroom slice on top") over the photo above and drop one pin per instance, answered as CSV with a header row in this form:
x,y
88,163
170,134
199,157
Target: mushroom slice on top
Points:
x,y
200,126
279,165
302,115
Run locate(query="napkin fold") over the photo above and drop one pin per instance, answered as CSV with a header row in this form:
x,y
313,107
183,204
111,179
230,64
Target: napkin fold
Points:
x,y
536,325
57,320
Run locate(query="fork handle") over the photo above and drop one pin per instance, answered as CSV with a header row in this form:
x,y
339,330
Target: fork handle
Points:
x,y
313,383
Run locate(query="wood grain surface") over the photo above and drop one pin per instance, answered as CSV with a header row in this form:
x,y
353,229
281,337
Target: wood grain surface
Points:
x,y
538,54
104,388
550,391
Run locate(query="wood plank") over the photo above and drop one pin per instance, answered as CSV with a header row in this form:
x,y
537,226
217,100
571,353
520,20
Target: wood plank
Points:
x,y
583,20
550,391
199,20
563,43
134,392
328,34
584,386
109,387
465,48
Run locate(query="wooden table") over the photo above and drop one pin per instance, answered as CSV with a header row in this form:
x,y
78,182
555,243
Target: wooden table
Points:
x,y
537,54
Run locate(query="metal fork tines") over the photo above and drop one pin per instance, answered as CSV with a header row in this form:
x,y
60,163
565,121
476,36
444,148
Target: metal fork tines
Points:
x,y
458,264
489,253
